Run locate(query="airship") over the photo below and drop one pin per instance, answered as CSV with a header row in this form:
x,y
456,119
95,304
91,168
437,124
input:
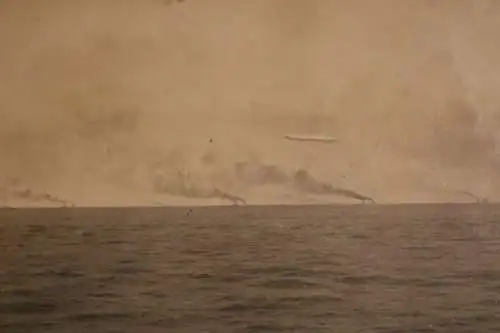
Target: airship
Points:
x,y
311,138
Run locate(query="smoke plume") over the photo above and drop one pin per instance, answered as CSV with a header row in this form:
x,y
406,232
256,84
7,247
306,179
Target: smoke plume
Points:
x,y
99,96
305,182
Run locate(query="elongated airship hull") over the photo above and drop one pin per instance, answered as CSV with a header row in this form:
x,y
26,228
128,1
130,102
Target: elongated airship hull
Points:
x,y
311,138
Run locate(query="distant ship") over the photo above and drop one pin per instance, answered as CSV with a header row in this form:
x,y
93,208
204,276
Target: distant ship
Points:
x,y
479,200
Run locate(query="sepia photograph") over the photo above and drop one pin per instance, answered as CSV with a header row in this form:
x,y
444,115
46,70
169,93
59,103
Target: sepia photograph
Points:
x,y
253,166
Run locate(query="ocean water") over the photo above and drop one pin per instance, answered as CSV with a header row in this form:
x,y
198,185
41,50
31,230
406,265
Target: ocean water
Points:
x,y
363,268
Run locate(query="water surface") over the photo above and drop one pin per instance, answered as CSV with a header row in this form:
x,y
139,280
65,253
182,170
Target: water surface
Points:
x,y
414,268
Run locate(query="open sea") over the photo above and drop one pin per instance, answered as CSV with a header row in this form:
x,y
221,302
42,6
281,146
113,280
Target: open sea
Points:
x,y
360,268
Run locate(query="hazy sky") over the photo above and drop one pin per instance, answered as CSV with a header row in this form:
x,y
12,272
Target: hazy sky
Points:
x,y
98,95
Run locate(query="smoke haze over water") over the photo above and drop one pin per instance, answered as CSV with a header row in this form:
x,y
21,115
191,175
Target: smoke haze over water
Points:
x,y
99,96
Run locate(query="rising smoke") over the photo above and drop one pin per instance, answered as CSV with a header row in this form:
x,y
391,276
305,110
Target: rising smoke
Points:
x,y
249,175
98,96
182,185
305,182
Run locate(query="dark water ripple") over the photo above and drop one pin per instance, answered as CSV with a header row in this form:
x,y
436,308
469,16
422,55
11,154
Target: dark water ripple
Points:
x,y
432,268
